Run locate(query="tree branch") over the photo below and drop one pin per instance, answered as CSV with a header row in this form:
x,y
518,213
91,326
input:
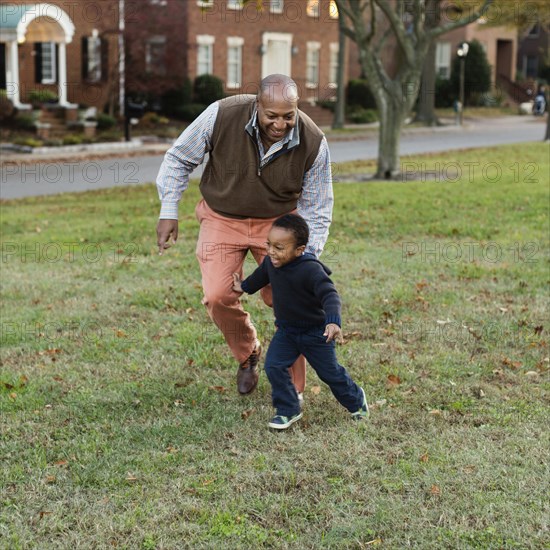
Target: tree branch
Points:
x,y
438,31
398,29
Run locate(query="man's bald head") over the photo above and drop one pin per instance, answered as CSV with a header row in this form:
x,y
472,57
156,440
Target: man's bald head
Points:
x,y
277,87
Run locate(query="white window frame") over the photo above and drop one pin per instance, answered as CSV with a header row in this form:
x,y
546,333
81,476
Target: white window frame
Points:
x,y
443,59
205,40
313,49
313,8
205,3
276,6
234,4
333,65
150,63
93,54
236,42
51,77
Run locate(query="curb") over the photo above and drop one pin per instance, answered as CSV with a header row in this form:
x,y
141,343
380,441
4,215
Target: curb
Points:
x,y
84,148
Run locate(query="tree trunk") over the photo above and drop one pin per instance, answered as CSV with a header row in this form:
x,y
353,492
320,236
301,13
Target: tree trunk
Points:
x,y
547,136
392,115
426,100
339,111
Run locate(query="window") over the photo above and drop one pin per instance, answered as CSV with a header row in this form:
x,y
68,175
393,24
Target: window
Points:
x,y
155,55
159,2
276,6
333,10
333,66
443,60
48,63
235,4
312,8
234,61
91,58
312,64
205,3
205,54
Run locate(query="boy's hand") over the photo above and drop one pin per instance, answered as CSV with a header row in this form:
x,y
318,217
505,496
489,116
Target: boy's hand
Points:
x,y
237,283
333,332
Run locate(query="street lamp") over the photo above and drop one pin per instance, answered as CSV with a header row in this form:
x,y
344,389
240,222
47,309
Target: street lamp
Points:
x,y
462,52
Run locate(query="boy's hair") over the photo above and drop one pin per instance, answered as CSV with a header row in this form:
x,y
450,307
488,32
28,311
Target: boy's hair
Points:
x,y
296,225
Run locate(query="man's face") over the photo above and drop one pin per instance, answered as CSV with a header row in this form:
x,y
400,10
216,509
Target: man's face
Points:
x,y
281,246
276,116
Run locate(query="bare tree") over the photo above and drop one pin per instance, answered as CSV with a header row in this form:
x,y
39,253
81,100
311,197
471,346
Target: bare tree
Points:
x,y
370,23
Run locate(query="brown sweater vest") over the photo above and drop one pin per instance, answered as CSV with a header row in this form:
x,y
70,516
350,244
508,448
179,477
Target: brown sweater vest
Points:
x,y
233,184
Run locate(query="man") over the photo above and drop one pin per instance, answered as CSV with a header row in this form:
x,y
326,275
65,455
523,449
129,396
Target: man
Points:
x,y
266,159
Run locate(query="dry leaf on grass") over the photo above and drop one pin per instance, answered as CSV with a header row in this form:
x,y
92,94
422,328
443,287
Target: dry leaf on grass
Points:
x,y
315,390
435,490
247,413
393,380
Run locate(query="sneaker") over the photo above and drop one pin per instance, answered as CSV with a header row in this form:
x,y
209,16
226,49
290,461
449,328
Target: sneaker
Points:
x,y
363,412
279,422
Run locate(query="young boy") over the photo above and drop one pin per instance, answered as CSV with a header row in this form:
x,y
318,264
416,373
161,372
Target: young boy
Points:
x,y
307,314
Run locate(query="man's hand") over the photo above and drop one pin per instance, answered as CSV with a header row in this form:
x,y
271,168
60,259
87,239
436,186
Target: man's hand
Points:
x,y
333,332
167,234
237,283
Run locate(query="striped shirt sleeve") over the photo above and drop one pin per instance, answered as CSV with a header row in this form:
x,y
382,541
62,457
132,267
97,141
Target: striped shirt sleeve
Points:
x,y
317,198
181,159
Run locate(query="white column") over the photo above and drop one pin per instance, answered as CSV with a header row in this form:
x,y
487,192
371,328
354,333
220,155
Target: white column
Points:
x,y
62,62
12,70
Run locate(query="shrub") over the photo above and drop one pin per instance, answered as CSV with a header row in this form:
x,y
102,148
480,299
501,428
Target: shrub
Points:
x,y
207,89
37,97
172,100
105,121
362,116
24,121
190,112
153,119
72,139
28,141
444,93
7,109
358,94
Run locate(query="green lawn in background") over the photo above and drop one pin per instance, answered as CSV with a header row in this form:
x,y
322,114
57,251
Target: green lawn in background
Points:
x,y
120,422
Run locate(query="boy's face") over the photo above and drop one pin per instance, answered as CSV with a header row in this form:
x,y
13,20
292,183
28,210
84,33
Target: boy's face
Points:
x,y
281,246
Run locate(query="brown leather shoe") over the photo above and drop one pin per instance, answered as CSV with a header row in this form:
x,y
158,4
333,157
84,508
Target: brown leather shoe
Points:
x,y
248,373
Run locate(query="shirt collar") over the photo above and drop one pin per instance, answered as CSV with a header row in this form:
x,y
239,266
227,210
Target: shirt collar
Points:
x,y
292,138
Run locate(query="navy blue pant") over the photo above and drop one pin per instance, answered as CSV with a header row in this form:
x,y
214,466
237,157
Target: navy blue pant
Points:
x,y
287,344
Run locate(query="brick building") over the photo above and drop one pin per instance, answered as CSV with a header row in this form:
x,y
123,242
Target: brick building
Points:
x,y
68,47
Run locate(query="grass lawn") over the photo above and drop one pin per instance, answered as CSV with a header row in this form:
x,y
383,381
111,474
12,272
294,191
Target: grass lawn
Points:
x,y
120,422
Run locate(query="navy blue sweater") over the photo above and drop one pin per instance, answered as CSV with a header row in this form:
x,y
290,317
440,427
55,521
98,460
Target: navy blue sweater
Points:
x,y
303,294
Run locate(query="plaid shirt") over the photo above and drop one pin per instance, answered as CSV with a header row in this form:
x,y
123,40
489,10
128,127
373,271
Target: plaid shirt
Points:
x,y
188,152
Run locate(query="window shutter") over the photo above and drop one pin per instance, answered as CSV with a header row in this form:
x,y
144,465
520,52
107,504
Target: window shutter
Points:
x,y
56,61
104,60
84,42
38,62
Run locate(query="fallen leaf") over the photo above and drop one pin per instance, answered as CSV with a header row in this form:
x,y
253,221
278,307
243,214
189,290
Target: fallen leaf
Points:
x,y
13,395
43,513
60,463
440,322
247,413
131,477
23,381
171,449
435,490
119,333
315,390
503,309
219,389
208,481
538,330
532,373
469,469
50,479
424,458
374,542
381,402
393,380
435,411
8,386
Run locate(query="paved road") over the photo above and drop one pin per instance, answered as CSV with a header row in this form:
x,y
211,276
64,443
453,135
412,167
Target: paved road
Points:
x,y
50,177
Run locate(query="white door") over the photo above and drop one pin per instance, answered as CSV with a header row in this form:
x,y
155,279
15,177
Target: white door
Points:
x,y
277,48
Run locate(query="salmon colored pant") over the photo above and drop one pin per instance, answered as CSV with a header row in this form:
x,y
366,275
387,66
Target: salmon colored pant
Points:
x,y
221,250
